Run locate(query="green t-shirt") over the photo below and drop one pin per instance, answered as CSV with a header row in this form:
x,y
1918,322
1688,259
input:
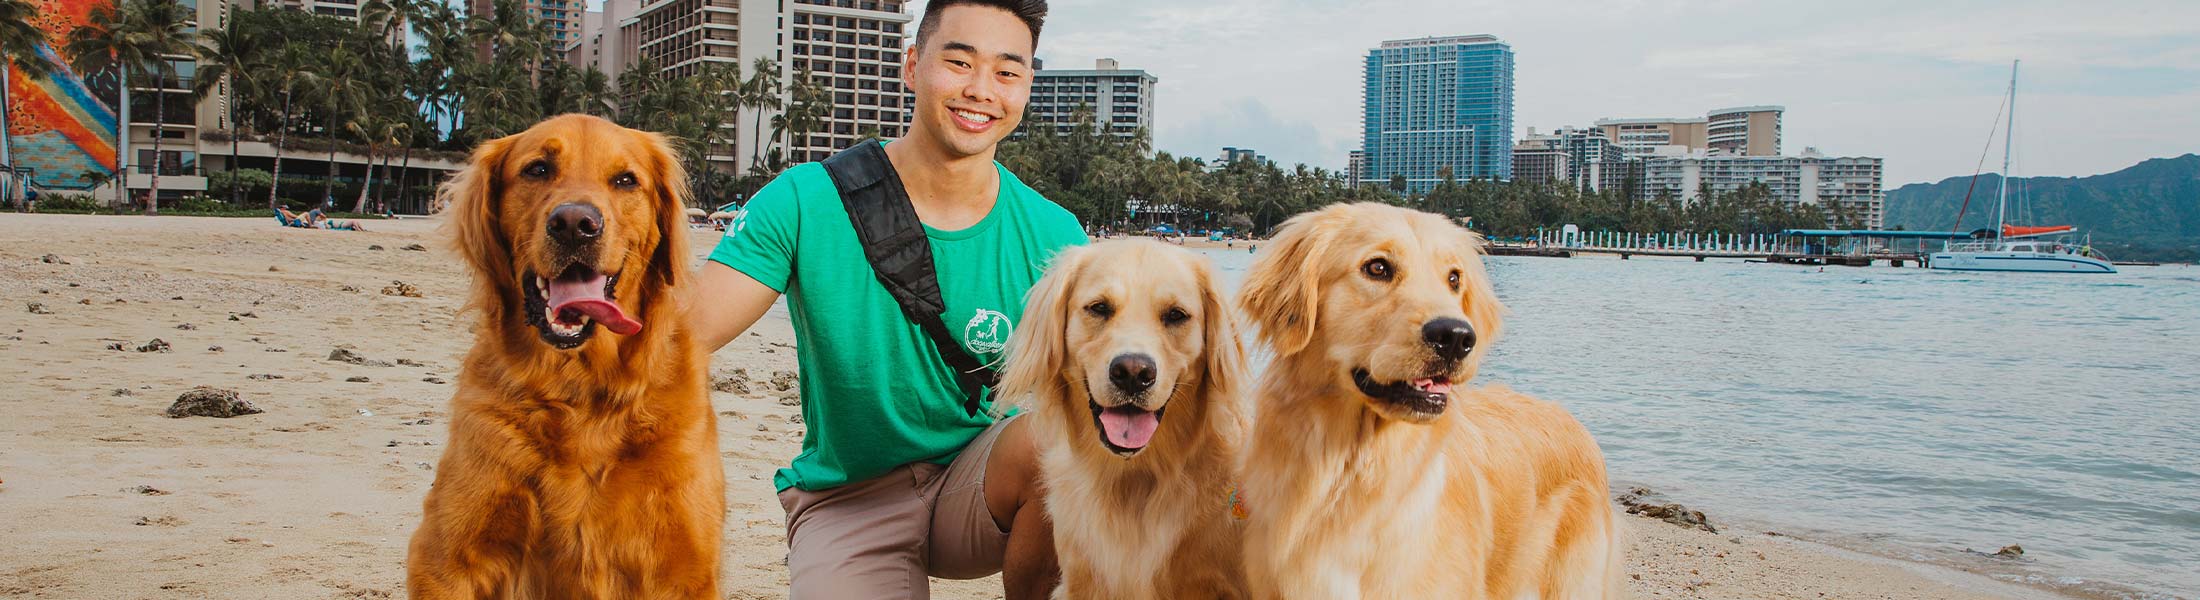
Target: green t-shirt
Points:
x,y
875,392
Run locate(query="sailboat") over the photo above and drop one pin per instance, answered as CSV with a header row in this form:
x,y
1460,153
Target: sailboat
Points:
x,y
2007,247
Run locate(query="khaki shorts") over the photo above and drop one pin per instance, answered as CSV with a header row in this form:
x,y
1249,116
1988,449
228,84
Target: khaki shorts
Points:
x,y
881,537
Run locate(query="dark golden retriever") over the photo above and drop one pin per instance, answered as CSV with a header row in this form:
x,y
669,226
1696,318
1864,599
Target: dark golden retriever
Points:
x,y
1373,471
583,456
1130,356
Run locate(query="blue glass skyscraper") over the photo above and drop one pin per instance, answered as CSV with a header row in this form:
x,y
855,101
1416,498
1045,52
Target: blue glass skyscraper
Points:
x,y
1437,103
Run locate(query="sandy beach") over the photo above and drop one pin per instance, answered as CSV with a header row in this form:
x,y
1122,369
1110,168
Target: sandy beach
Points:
x,y
106,497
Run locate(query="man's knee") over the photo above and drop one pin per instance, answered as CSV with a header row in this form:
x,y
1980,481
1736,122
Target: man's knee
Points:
x,y
1012,473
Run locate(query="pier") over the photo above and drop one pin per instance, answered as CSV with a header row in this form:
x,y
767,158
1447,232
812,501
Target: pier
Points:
x,y
1817,247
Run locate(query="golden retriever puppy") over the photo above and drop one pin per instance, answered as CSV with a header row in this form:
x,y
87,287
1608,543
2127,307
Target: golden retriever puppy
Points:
x,y
583,456
1372,470
1132,362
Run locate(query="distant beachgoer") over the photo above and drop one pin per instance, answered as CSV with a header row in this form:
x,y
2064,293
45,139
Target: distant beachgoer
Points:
x,y
322,221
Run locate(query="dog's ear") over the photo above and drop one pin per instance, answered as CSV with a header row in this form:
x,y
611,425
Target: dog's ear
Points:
x,y
1479,302
1222,355
471,198
1281,292
1039,346
670,261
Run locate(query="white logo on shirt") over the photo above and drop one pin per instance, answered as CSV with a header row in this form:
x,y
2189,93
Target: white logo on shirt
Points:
x,y
988,331
740,221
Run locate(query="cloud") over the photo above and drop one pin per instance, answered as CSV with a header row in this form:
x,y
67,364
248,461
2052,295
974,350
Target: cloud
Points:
x,y
1248,123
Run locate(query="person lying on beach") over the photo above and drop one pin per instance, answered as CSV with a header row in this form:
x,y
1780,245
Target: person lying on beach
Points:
x,y
313,219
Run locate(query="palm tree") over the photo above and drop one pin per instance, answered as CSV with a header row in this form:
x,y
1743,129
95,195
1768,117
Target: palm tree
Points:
x,y
293,64
379,130
143,35
810,104
761,92
593,92
509,34
405,128
388,18
433,78
20,42
232,55
343,78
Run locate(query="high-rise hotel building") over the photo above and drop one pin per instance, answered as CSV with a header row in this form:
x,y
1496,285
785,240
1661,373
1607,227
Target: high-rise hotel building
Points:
x,y
1120,100
1741,131
1439,104
851,48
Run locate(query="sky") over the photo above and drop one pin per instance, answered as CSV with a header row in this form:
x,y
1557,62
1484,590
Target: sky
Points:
x,y
2103,86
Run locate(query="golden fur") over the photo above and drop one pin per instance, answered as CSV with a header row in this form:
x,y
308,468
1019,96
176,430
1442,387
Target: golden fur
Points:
x,y
1156,524
1492,494
590,472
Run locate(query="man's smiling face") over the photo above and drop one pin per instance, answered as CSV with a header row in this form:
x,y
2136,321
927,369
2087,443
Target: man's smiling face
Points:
x,y
972,77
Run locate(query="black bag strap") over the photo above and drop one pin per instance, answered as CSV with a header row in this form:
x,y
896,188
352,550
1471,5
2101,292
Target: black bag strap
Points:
x,y
894,242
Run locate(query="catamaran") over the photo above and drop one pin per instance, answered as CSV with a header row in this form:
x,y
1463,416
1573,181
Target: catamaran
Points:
x,y
2009,247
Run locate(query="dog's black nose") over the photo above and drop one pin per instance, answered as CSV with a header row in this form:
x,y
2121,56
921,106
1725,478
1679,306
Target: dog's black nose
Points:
x,y
575,224
1451,338
1131,373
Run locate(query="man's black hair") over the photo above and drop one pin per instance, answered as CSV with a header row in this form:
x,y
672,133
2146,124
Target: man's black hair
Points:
x,y
1032,12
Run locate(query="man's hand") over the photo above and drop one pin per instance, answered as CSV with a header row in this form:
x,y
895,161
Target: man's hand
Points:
x,y
723,303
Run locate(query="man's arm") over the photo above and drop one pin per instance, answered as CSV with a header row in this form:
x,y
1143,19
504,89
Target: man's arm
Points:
x,y
723,303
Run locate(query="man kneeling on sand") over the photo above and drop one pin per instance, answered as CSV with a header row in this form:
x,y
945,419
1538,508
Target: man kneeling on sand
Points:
x,y
901,474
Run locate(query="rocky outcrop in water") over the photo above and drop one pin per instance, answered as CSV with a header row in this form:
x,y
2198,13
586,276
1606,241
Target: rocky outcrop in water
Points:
x,y
1639,501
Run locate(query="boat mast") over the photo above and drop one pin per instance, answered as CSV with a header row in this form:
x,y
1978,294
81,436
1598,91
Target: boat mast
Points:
x,y
2009,140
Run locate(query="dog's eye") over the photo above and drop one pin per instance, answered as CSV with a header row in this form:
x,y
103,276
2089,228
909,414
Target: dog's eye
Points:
x,y
1175,316
537,169
625,181
1453,280
1100,309
1377,269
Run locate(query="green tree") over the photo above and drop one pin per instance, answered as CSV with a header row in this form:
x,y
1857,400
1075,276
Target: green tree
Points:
x,y
234,55
293,65
138,36
760,92
343,86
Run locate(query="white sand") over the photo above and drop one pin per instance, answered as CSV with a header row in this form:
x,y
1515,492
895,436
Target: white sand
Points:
x,y
316,497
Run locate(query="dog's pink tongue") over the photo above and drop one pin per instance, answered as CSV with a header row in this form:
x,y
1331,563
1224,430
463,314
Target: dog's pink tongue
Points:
x,y
1129,428
586,296
1432,386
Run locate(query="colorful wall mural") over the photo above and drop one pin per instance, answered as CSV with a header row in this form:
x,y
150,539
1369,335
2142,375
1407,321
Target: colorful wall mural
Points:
x,y
55,124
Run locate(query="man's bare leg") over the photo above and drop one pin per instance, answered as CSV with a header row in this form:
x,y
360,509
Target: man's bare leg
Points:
x,y
1029,570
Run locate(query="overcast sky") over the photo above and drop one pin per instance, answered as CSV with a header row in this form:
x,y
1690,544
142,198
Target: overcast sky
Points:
x,y
2104,84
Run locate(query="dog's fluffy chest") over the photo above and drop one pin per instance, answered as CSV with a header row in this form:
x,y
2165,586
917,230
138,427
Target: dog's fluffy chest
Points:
x,y
1139,522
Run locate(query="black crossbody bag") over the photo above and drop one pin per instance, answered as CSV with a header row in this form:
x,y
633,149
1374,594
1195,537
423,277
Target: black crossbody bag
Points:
x,y
894,242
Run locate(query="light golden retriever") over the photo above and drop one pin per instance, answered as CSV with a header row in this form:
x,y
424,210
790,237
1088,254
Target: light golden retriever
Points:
x,y
1373,471
1132,360
583,456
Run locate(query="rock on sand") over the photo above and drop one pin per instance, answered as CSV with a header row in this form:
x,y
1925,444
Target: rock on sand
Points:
x,y
205,401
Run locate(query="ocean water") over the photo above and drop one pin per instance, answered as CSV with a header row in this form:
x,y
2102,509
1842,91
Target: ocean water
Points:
x,y
1909,412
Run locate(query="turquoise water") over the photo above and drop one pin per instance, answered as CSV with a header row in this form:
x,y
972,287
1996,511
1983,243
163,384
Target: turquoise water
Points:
x,y
1905,411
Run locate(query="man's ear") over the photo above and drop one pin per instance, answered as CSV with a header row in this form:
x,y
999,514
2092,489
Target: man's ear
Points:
x,y
1281,291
